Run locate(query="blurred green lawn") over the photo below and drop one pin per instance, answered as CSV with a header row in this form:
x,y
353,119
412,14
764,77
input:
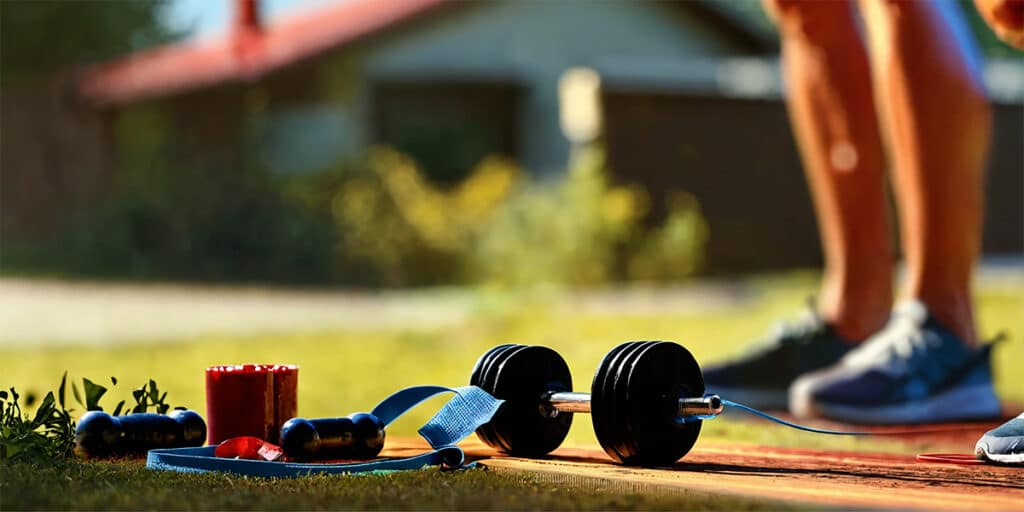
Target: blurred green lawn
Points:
x,y
343,372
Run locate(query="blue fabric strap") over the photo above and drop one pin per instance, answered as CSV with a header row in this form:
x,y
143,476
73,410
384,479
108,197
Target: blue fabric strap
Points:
x,y
467,410
202,460
470,408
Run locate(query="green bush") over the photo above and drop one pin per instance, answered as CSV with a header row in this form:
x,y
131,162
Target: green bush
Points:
x,y
195,222
373,221
499,227
583,231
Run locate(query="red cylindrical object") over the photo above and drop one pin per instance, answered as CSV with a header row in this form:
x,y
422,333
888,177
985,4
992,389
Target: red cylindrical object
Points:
x,y
286,393
249,400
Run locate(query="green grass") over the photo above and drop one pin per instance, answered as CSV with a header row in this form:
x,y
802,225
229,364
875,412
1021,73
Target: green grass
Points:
x,y
343,372
127,485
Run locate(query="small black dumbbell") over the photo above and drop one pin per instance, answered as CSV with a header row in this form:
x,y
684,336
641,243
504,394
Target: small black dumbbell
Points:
x,y
646,402
359,436
99,434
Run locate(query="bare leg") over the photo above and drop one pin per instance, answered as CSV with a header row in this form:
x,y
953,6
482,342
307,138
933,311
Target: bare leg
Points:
x,y
937,123
832,112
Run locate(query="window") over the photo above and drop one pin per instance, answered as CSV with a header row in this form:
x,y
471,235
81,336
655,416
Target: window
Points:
x,y
447,127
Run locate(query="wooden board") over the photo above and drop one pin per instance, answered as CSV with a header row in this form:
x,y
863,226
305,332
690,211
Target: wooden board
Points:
x,y
830,478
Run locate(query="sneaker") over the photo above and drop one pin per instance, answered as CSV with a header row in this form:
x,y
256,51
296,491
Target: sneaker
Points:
x,y
762,376
1003,445
912,371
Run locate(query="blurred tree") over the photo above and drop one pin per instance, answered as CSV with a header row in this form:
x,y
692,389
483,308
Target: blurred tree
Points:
x,y
38,38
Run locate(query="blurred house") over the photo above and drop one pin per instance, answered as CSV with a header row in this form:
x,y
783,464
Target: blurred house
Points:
x,y
448,82
689,93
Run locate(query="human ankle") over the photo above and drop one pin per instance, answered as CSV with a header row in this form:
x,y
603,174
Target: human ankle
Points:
x,y
953,312
856,313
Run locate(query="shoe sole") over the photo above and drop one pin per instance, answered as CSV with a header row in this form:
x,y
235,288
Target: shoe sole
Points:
x,y
962,403
981,451
756,398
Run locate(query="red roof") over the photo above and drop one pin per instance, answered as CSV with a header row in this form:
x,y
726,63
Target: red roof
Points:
x,y
243,54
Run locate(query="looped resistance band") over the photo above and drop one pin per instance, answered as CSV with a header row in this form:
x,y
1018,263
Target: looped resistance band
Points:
x,y
470,408
466,411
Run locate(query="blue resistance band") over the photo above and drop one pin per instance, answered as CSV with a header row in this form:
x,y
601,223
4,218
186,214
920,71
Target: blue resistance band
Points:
x,y
797,426
467,410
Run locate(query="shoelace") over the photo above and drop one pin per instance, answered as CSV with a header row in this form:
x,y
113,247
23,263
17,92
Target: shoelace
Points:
x,y
901,340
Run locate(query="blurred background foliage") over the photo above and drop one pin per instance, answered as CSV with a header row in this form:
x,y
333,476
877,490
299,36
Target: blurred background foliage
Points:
x,y
371,221
114,28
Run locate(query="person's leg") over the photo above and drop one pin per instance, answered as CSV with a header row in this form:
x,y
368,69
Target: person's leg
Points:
x,y
937,122
832,113
923,366
829,99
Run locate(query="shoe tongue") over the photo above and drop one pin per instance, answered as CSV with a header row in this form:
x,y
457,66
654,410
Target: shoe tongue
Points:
x,y
911,310
907,318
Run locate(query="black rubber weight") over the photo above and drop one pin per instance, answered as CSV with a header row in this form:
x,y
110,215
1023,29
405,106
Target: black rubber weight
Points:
x,y
477,379
491,380
597,391
602,407
521,378
619,384
660,376
477,376
648,381
480,378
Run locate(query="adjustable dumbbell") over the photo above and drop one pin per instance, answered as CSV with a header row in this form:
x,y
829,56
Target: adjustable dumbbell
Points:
x,y
646,403
359,436
99,434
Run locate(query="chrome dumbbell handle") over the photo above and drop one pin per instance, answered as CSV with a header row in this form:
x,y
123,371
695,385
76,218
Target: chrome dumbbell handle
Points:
x,y
567,401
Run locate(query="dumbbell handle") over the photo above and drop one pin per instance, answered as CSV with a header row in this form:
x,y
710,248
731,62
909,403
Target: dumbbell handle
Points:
x,y
567,401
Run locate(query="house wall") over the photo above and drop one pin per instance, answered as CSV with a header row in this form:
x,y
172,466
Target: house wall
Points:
x,y
54,157
313,114
738,157
322,110
489,42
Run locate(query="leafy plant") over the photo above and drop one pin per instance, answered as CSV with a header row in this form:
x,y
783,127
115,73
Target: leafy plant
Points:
x,y
145,396
50,432
148,395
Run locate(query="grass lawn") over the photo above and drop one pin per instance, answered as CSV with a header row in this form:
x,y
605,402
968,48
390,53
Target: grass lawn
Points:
x,y
129,485
343,372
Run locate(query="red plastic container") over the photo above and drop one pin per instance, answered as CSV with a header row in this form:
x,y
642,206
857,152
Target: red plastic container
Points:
x,y
249,400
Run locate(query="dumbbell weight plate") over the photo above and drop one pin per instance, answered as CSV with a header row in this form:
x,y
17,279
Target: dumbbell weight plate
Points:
x,y
620,395
648,385
477,376
606,407
486,381
599,389
659,377
521,377
490,379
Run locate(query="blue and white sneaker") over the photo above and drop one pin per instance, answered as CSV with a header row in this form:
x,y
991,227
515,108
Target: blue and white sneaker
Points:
x,y
912,371
761,377
1004,444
